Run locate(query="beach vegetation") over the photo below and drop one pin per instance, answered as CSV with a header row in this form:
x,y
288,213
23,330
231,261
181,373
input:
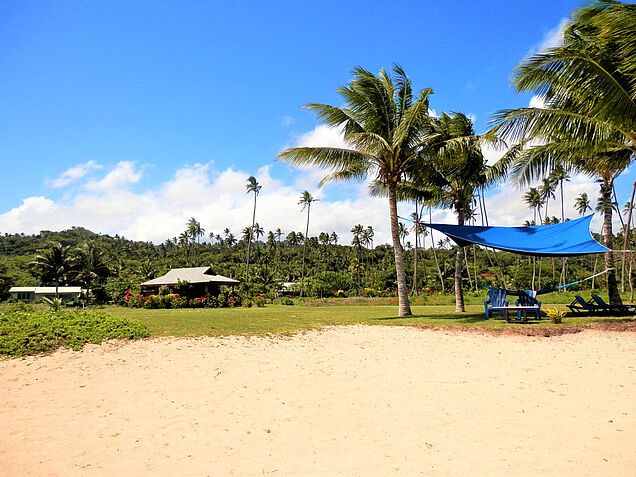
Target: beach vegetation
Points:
x,y
28,330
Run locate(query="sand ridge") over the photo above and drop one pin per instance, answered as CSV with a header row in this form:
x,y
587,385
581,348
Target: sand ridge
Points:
x,y
352,400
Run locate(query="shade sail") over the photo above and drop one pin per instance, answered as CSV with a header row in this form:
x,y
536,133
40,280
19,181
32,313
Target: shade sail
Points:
x,y
566,239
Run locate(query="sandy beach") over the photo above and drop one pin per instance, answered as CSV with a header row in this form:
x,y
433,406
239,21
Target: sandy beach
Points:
x,y
351,401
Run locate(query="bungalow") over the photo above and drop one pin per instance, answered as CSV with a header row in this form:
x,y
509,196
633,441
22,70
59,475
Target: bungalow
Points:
x,y
31,294
202,278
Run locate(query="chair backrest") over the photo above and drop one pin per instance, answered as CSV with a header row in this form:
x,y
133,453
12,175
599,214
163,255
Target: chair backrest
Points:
x,y
582,302
599,300
527,298
497,296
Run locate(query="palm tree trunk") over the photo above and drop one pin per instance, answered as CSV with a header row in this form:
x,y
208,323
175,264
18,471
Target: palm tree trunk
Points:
x,y
439,270
417,226
459,294
302,280
612,286
404,309
249,242
626,239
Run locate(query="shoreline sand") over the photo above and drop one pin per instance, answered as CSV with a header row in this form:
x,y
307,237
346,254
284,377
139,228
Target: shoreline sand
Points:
x,y
349,400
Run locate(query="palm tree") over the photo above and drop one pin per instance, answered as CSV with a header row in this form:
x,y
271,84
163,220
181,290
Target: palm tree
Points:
x,y
333,238
546,190
452,173
582,203
54,264
589,121
91,266
251,186
357,241
558,176
305,200
533,199
382,124
194,230
403,231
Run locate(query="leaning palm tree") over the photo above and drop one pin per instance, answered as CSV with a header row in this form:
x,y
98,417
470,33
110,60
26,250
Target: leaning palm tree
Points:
x,y
54,265
306,200
588,123
382,123
252,186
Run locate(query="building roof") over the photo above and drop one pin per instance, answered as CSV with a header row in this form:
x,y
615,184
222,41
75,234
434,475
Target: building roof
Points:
x,y
45,290
191,275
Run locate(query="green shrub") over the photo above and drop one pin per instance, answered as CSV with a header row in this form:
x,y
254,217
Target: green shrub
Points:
x,y
31,332
286,301
247,303
259,301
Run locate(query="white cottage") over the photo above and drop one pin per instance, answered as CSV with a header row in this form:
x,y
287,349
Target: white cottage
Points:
x,y
31,294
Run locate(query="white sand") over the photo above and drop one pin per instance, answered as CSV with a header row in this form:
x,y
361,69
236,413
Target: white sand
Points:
x,y
345,401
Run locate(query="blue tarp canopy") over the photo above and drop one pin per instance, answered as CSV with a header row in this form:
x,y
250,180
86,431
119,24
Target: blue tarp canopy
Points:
x,y
565,239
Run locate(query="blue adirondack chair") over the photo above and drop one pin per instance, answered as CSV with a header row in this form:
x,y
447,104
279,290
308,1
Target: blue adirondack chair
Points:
x,y
528,299
496,301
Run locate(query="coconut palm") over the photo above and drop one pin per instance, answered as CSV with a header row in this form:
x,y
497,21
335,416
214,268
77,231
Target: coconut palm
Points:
x,y
357,240
582,203
91,266
588,123
452,172
54,265
333,238
534,199
194,230
382,123
558,176
306,200
254,187
547,188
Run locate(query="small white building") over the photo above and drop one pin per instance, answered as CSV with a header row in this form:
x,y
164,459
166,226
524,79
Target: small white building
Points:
x,y
31,294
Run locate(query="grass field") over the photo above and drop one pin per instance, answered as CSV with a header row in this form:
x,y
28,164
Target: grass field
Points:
x,y
281,319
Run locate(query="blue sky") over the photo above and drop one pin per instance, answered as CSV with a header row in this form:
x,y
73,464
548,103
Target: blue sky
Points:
x,y
130,117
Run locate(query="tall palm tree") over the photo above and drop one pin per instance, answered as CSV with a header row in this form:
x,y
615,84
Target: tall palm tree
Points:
x,y
333,238
453,172
254,187
54,265
306,200
558,176
546,190
357,239
589,121
534,199
582,203
382,123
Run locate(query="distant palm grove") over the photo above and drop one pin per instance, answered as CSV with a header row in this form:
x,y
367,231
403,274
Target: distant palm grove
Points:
x,y
587,124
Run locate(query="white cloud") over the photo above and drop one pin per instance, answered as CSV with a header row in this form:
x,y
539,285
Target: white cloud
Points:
x,y
537,102
217,198
123,175
553,38
74,173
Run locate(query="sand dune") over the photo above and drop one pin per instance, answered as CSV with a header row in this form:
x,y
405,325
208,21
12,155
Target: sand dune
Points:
x,y
344,401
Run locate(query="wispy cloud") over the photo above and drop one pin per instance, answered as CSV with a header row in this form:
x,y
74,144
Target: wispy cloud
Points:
x,y
552,38
74,173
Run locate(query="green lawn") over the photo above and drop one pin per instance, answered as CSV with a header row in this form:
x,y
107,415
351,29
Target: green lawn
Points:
x,y
280,319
